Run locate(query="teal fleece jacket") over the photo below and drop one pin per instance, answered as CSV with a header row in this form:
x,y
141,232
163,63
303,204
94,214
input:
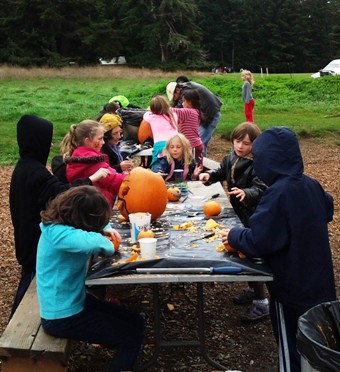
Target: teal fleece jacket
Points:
x,y
63,254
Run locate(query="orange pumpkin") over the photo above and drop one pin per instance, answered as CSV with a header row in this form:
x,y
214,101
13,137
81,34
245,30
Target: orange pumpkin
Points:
x,y
142,191
229,248
144,131
146,234
114,241
174,194
212,208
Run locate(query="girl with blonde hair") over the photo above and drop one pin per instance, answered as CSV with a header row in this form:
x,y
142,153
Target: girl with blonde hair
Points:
x,y
81,149
177,154
247,94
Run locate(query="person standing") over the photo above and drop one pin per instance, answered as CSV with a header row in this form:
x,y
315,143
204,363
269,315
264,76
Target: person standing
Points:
x,y
31,187
289,230
247,94
210,106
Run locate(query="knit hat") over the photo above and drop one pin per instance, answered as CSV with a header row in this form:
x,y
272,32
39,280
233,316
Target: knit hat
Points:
x,y
110,121
170,88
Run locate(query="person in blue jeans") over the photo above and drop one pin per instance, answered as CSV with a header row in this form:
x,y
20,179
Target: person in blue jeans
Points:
x,y
210,108
75,226
289,230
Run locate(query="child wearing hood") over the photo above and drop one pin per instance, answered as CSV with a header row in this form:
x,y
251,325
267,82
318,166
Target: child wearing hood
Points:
x,y
289,231
32,186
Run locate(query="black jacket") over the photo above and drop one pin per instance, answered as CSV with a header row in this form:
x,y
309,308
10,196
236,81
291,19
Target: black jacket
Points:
x,y
32,186
239,172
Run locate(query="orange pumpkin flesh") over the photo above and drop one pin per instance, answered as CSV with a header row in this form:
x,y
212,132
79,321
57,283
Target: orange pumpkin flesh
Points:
x,y
174,194
142,191
229,248
212,208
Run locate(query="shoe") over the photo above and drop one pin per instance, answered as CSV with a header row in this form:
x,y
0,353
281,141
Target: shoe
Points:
x,y
245,298
255,313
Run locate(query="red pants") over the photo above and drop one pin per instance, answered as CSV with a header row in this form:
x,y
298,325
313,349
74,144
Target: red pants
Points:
x,y
248,110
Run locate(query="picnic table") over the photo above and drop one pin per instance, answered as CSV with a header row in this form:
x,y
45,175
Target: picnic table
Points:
x,y
179,260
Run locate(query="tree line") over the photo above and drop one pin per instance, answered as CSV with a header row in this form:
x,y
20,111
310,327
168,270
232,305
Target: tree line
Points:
x,y
281,35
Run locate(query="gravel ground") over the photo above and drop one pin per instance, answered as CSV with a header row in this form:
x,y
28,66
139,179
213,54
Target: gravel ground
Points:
x,y
238,346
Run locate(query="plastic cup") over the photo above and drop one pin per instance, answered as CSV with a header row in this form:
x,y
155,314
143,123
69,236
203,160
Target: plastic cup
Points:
x,y
148,248
178,175
138,222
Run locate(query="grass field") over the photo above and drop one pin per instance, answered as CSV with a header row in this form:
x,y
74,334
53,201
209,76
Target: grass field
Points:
x,y
311,107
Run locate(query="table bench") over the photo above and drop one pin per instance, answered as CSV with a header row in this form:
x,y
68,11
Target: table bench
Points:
x,y
24,346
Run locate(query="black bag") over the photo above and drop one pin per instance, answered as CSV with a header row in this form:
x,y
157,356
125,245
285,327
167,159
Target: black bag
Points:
x,y
132,117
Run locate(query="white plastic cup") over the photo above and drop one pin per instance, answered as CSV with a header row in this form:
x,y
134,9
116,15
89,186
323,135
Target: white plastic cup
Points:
x,y
178,175
138,222
148,248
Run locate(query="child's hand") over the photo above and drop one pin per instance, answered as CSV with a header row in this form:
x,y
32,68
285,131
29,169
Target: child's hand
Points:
x,y
101,173
114,234
204,177
198,169
225,234
126,165
239,193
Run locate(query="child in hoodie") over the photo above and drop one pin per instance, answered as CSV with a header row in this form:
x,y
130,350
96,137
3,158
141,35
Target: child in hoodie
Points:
x,y
289,231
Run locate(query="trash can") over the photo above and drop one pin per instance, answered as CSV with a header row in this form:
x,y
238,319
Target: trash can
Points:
x,y
318,338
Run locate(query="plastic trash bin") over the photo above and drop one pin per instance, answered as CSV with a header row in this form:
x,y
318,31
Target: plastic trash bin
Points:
x,y
318,338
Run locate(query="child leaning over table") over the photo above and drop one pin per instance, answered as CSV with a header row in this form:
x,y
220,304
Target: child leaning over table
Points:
x,y
245,190
74,227
289,231
177,154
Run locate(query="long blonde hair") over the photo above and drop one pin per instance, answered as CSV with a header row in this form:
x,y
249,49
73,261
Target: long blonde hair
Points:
x,y
160,106
249,76
187,149
77,134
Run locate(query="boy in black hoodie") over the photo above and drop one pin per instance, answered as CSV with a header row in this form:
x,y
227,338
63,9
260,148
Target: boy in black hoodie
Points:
x,y
32,186
289,231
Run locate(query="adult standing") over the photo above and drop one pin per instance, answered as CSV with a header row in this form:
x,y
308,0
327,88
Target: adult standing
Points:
x,y
32,186
210,109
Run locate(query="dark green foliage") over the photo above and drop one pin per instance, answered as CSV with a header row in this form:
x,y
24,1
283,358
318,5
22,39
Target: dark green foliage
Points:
x,y
281,35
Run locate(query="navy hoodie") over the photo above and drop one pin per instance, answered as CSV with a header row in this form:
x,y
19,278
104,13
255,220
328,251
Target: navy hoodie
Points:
x,y
289,227
32,186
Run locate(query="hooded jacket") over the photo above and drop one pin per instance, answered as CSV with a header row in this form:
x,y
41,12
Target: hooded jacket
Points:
x,y
32,186
289,227
86,161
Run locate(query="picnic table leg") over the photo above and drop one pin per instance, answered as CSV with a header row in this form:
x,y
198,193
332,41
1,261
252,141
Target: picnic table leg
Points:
x,y
201,329
157,329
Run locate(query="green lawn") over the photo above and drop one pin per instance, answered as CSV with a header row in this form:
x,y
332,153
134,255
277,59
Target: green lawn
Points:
x,y
308,106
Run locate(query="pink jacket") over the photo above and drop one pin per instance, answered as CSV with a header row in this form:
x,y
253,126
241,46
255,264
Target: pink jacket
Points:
x,y
86,161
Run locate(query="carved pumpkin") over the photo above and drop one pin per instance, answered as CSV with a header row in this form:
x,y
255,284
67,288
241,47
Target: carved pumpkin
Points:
x,y
212,208
144,131
174,194
142,191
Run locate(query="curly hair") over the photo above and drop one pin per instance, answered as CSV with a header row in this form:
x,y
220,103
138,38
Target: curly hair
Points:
x,y
82,207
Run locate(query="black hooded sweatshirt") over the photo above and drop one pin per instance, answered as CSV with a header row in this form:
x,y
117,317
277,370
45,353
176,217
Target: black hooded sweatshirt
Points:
x,y
32,186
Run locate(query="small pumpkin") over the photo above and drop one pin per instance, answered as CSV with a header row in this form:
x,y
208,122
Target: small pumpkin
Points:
x,y
212,208
114,242
174,194
144,131
142,191
145,233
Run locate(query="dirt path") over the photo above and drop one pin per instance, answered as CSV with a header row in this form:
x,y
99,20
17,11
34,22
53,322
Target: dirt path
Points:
x,y
238,346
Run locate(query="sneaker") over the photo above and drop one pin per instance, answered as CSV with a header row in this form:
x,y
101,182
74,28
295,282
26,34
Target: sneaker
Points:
x,y
255,313
246,297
